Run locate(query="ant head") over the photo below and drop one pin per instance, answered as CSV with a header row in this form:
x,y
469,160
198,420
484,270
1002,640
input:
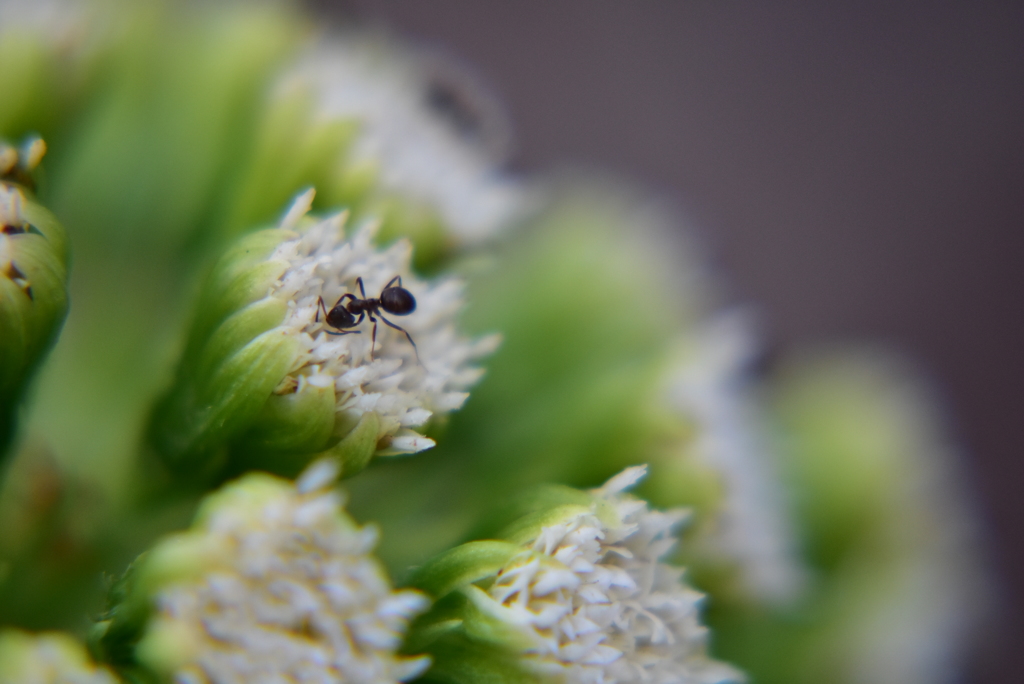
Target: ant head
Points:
x,y
397,301
340,317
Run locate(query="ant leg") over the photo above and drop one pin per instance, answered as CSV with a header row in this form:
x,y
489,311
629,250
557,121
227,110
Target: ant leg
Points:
x,y
359,282
373,339
398,278
407,336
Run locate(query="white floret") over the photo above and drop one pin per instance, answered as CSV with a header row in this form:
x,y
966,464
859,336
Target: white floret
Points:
x,y
288,590
402,385
754,528
445,153
600,607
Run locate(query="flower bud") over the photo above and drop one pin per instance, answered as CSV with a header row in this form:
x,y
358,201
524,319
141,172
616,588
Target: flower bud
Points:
x,y
272,582
898,589
727,466
268,380
389,132
46,49
47,658
575,591
900,580
33,290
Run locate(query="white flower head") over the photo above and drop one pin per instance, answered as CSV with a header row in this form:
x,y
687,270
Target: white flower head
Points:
x,y
712,389
597,603
402,384
283,588
47,658
431,133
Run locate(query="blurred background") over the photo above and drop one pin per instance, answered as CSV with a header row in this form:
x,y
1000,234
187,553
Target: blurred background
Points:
x,y
856,168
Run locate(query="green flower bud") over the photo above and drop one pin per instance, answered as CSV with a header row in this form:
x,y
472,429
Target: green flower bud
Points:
x,y
267,382
389,133
899,589
272,582
574,591
47,50
47,658
33,293
181,87
171,99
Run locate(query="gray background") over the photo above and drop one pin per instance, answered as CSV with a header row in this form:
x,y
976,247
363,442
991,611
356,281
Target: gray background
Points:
x,y
856,167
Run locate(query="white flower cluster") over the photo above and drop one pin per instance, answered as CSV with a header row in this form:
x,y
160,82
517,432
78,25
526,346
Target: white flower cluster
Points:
x,y
712,388
289,591
402,386
48,658
598,605
429,134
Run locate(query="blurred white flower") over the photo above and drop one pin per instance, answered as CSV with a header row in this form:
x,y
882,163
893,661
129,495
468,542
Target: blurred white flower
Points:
x,y
597,604
429,133
47,658
402,386
282,586
753,527
57,21
916,592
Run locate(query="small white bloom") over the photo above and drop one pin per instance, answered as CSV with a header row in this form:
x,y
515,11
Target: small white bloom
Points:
x,y
754,526
429,134
48,658
597,604
286,589
402,386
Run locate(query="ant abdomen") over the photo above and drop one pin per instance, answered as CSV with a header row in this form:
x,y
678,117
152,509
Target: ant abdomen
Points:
x,y
397,301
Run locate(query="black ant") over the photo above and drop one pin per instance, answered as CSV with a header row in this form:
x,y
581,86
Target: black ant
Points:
x,y
394,299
